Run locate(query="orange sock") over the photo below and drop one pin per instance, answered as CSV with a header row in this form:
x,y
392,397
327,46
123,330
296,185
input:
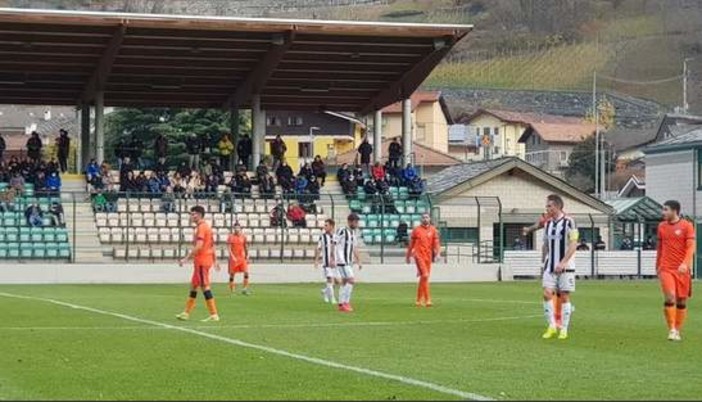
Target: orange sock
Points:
x,y
680,315
190,304
232,285
246,281
211,306
427,295
420,292
670,316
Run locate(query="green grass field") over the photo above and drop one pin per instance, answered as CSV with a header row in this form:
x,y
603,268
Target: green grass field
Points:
x,y
122,342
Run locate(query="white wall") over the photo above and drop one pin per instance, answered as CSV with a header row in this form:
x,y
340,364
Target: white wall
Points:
x,y
671,176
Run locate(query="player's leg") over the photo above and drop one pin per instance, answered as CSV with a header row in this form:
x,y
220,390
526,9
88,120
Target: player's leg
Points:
x,y
348,281
557,311
566,286
189,305
420,284
427,292
209,297
668,285
232,281
682,291
549,290
246,290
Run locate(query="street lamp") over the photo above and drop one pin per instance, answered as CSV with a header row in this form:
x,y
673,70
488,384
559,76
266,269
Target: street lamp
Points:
x,y
685,73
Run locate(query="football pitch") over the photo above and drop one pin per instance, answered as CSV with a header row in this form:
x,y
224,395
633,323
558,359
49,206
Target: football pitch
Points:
x,y
478,341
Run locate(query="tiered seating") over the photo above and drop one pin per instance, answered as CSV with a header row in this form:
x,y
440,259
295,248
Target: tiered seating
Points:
x,y
140,230
19,241
382,228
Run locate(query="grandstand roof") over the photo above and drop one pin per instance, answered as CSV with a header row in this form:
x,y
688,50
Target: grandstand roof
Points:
x,y
642,209
147,60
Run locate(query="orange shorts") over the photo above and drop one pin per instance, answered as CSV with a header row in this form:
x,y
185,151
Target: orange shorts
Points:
x,y
239,266
201,275
423,267
673,282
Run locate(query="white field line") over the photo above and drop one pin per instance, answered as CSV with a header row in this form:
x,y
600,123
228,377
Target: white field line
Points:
x,y
232,341
257,326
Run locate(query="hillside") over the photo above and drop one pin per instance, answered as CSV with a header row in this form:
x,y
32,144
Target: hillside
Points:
x,y
636,46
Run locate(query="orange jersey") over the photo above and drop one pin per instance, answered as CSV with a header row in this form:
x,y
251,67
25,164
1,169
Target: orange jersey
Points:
x,y
676,245
237,246
424,243
206,255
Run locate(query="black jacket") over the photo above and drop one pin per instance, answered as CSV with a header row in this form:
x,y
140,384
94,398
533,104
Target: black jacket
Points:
x,y
193,145
244,147
64,144
366,149
395,150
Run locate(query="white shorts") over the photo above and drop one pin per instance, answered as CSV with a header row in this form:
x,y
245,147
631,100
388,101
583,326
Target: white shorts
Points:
x,y
330,272
346,271
564,282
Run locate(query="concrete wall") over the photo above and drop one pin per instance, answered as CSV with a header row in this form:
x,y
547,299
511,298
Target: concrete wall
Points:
x,y
671,176
268,273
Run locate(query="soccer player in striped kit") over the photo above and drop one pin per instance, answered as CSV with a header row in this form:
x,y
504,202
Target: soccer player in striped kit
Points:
x,y
326,253
560,244
347,254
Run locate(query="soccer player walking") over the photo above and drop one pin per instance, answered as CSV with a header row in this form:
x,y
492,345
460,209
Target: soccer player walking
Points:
x,y
560,244
346,255
676,247
238,258
425,248
203,255
325,252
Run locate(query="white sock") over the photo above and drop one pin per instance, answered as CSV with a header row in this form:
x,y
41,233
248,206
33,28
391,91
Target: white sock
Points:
x,y
549,314
329,292
349,290
566,312
342,294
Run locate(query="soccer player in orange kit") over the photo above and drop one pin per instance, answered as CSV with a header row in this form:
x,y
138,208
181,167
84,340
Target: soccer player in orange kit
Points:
x,y
425,247
676,247
203,255
238,258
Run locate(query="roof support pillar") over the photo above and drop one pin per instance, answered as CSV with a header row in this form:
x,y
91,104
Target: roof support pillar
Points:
x,y
406,131
378,136
234,129
84,152
100,126
258,118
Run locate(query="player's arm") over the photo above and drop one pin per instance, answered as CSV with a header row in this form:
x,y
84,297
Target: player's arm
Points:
x,y
689,251
572,235
199,244
437,246
246,249
357,257
659,249
317,256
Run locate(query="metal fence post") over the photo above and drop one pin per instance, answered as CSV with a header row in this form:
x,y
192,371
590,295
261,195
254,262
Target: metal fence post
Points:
x,y
73,254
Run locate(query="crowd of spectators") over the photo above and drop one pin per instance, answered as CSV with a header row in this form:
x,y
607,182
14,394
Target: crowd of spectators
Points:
x,y
379,180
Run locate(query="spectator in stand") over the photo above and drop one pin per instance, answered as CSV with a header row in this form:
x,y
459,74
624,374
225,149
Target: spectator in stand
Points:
x,y
39,181
296,214
626,245
56,211
136,147
163,181
34,146
184,170
370,187
178,184
582,246
378,172
382,187
349,187
105,176
194,146
63,146
92,170
168,200
17,182
600,244
226,148
267,187
416,188
153,184
284,175
3,147
34,216
394,153
319,169
53,183
365,150
409,174
313,189
358,175
517,244
261,171
51,167
243,150
301,184
306,170
243,184
160,167
7,200
343,173
126,168
121,152
99,202
278,149
161,150
402,233
277,215
649,244
142,182
127,183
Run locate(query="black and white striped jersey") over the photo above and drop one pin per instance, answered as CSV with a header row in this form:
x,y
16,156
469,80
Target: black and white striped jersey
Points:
x,y
346,243
325,245
558,234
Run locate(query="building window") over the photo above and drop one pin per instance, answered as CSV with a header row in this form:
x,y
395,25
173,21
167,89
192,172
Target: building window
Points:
x,y
304,149
273,121
564,156
486,130
496,131
508,146
294,121
459,235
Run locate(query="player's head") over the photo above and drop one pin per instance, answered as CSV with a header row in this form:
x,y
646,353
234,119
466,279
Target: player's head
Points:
x,y
426,219
671,210
329,225
197,214
554,205
353,221
237,228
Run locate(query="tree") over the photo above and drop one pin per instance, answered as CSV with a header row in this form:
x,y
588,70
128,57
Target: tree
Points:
x,y
581,164
175,124
605,114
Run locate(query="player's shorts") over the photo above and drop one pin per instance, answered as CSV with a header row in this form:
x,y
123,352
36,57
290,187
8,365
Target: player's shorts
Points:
x,y
201,276
330,272
423,267
345,271
238,267
564,282
673,282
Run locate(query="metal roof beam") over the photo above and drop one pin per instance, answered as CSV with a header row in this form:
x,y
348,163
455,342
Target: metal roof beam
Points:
x,y
99,78
258,77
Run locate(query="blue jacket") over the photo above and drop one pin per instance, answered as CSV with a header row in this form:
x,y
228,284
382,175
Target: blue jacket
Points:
x,y
92,170
409,173
53,182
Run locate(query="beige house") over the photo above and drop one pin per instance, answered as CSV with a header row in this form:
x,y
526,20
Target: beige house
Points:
x,y
502,128
469,199
430,120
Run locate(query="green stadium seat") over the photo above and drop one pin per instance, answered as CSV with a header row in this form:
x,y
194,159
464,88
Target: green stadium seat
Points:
x,y
24,234
46,221
64,250
25,251
404,193
366,209
368,238
52,250
49,235
37,234
2,234
13,250
61,235
390,239
4,185
11,234
3,250
361,196
8,219
355,205
38,250
28,186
